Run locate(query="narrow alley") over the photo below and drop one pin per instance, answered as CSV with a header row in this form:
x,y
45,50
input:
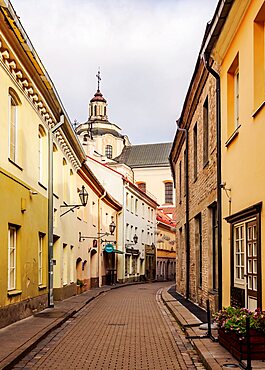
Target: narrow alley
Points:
x,y
127,328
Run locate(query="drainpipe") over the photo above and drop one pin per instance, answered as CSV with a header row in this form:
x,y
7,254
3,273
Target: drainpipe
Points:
x,y
50,210
99,240
187,231
219,175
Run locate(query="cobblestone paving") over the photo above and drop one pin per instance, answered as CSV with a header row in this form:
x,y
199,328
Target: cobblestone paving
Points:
x,y
125,329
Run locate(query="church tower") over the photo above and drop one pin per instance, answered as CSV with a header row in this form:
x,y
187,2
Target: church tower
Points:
x,y
101,138
98,105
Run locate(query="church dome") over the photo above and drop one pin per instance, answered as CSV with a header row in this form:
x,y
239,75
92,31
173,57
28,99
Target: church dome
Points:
x,y
98,97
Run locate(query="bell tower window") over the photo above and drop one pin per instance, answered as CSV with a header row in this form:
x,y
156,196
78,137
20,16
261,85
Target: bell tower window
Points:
x,y
95,110
108,151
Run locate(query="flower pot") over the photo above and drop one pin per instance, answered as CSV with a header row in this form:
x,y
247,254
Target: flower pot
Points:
x,y
237,346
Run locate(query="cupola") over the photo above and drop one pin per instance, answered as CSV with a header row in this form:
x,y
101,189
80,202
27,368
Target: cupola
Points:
x,y
98,105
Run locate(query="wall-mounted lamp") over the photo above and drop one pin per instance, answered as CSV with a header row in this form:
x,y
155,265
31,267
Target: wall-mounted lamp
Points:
x,y
112,228
135,241
83,195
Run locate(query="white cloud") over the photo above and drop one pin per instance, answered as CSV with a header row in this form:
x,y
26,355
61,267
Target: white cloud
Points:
x,y
146,49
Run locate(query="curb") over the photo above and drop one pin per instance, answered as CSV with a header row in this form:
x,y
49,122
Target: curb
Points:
x,y
8,362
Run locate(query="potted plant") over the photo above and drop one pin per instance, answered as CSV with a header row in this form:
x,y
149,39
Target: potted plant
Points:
x,y
231,323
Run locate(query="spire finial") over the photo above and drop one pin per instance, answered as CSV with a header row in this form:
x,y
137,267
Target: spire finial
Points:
x,y
98,77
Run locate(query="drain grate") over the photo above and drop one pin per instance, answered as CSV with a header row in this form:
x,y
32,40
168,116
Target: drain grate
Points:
x,y
117,324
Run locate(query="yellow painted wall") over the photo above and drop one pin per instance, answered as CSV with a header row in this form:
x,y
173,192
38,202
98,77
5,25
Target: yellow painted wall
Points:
x,y
243,160
32,221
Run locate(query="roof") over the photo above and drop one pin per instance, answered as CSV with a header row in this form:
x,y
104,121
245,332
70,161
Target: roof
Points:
x,y
98,97
145,155
165,219
104,131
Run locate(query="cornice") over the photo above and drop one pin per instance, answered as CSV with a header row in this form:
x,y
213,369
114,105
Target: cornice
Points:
x,y
15,69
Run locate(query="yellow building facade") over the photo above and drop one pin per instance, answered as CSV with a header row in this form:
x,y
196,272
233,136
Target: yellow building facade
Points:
x,y
239,53
31,112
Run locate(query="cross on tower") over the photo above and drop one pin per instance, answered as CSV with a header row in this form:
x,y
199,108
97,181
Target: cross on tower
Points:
x,y
98,77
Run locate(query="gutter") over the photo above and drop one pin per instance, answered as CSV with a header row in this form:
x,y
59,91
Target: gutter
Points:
x,y
219,175
214,30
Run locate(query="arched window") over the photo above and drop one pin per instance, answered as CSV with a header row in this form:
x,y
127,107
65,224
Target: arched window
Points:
x,y
95,110
169,192
13,103
108,151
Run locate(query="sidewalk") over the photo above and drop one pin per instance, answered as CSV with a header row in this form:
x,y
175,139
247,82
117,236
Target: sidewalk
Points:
x,y
20,337
212,354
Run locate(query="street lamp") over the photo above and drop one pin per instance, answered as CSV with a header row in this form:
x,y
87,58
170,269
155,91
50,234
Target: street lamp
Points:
x,y
135,241
112,228
83,195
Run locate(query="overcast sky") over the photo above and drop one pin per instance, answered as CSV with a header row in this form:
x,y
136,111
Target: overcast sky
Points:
x,y
146,50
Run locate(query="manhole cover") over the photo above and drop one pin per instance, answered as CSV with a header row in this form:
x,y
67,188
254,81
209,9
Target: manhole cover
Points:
x,y
230,366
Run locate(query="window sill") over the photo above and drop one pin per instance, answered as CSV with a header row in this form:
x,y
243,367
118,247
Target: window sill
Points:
x,y
15,164
13,293
42,186
42,287
258,109
233,136
206,164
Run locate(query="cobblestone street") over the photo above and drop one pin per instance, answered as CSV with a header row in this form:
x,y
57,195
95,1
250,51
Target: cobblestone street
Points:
x,y
127,328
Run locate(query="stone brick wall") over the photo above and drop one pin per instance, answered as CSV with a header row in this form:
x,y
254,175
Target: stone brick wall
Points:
x,y
202,192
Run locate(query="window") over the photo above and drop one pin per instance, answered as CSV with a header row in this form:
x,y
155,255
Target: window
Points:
x,y
40,258
233,97
65,181
180,181
205,132
108,151
131,234
95,110
169,192
142,186
239,253
259,58
13,122
65,270
214,248
143,211
72,260
127,201
198,242
12,256
236,98
132,204
127,232
136,206
195,152
41,151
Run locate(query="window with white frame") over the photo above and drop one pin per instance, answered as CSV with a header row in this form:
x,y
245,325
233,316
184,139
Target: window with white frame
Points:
x,y
41,150
40,259
136,206
236,98
12,259
13,122
65,266
239,253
